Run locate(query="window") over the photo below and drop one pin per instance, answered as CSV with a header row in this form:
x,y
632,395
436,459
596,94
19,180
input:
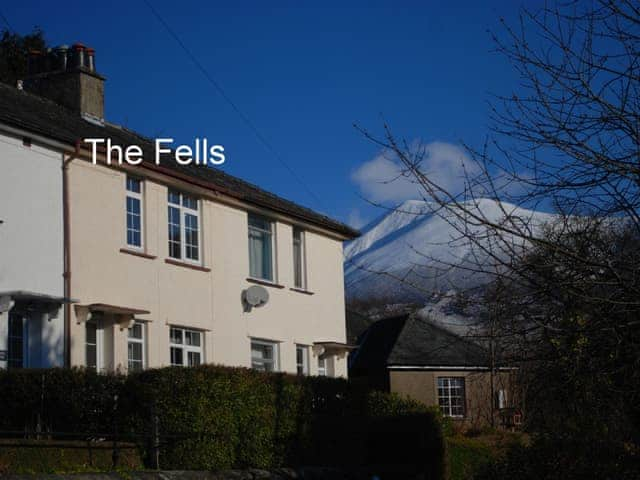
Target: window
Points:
x,y
325,366
91,344
185,347
302,360
264,355
299,259
501,399
134,212
451,396
184,227
136,347
17,342
261,258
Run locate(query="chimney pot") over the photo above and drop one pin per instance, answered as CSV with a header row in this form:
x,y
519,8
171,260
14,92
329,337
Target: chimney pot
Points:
x,y
90,60
67,76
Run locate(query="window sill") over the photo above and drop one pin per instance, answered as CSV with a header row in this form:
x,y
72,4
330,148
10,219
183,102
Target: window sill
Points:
x,y
179,263
266,283
137,253
301,290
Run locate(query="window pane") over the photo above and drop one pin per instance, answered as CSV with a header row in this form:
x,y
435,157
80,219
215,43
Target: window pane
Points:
x,y
191,236
194,359
451,398
193,338
16,342
322,366
260,254
298,259
176,356
135,351
136,331
302,360
189,202
176,335
174,233
173,197
263,356
260,223
134,185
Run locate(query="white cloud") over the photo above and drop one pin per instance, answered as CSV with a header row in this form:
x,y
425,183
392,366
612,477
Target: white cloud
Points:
x,y
381,179
356,219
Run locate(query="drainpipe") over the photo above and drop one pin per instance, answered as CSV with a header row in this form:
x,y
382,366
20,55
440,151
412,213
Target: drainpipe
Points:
x,y
67,250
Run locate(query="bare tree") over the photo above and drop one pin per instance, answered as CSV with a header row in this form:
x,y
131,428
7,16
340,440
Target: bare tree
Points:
x,y
564,295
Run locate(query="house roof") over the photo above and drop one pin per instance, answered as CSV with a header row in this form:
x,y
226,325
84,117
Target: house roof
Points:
x,y
413,341
23,110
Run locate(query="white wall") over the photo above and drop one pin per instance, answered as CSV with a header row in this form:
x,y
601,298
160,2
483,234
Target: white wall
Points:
x,y
206,300
31,235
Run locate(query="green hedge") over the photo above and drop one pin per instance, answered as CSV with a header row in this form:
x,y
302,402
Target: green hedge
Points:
x,y
51,456
213,417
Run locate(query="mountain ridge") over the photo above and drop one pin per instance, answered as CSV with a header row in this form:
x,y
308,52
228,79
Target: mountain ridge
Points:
x,y
416,250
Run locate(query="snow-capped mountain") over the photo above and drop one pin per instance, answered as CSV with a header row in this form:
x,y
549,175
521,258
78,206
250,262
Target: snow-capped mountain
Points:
x,y
415,250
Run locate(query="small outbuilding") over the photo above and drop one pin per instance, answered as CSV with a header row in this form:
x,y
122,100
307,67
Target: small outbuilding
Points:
x,y
412,356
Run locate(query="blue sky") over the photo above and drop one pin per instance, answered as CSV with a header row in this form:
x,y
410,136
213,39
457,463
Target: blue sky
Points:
x,y
303,74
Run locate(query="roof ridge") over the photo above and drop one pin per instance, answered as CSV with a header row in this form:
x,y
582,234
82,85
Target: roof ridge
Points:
x,y
36,114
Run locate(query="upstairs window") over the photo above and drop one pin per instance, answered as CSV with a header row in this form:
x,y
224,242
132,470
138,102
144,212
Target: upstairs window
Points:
x,y
261,258
134,212
186,347
299,260
184,227
451,396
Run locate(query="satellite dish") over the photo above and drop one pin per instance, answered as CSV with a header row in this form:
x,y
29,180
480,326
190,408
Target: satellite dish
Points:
x,y
256,296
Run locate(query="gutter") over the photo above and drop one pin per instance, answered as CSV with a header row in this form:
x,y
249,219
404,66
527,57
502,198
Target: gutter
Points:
x,y
67,249
345,232
445,367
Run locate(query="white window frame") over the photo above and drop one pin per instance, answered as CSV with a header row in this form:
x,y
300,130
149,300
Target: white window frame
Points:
x,y
322,366
24,337
303,258
140,341
267,343
502,400
99,344
445,389
140,197
304,366
186,349
274,250
183,211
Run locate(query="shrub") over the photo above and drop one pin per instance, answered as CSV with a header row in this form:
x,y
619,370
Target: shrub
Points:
x,y
213,417
565,459
46,456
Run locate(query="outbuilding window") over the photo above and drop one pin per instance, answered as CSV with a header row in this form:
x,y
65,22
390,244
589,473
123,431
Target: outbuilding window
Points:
x,y
451,396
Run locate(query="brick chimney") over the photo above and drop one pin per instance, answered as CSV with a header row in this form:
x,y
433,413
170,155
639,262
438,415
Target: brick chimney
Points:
x,y
68,77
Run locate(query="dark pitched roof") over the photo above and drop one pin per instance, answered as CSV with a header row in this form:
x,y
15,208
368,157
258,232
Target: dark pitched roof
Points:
x,y
412,341
26,111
